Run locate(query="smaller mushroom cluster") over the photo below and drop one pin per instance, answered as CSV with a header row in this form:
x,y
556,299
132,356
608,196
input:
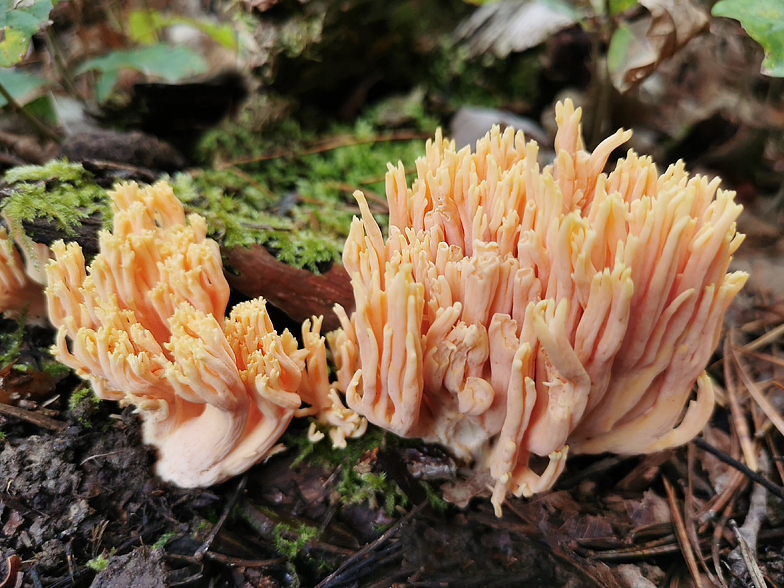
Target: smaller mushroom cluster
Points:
x,y
147,326
516,312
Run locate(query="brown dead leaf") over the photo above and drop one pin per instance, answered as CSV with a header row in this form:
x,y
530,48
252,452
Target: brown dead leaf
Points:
x,y
651,40
17,385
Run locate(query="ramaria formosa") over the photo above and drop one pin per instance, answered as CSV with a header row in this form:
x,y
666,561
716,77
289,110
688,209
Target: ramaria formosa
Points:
x,y
515,311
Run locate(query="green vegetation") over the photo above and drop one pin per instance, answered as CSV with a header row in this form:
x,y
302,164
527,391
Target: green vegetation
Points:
x,y
11,343
290,538
288,189
99,562
164,539
20,21
83,405
59,192
764,22
354,483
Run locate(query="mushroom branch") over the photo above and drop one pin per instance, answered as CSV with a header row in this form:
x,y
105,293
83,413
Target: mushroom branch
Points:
x,y
22,277
147,326
515,311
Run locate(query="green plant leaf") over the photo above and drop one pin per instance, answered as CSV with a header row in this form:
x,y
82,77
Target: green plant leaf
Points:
x,y
619,48
20,85
170,63
19,23
764,22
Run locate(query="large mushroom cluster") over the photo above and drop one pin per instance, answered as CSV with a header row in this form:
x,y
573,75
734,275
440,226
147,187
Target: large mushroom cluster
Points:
x,y
517,311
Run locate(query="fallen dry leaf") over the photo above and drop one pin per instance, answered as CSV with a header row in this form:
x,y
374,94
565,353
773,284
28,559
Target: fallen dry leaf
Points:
x,y
640,46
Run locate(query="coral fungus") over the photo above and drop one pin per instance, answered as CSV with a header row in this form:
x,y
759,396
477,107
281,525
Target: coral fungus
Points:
x,y
147,326
515,311
21,281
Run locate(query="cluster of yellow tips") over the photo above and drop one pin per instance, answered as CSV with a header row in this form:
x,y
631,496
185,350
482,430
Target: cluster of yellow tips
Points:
x,y
515,311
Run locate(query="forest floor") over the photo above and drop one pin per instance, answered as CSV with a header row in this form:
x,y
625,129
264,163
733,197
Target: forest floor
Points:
x,y
273,173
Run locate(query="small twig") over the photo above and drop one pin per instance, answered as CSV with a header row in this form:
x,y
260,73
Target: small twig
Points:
x,y
40,127
199,554
748,558
743,468
739,421
40,420
766,405
251,180
633,553
372,545
718,532
736,481
682,535
774,452
689,519
97,456
325,145
243,563
763,340
62,66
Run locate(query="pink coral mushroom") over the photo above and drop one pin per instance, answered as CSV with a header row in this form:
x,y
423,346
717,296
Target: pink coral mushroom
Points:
x,y
515,311
147,326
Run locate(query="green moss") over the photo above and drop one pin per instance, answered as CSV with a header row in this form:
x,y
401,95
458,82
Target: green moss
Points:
x,y
291,538
296,196
354,484
83,405
12,340
369,487
163,540
58,191
434,497
11,343
100,562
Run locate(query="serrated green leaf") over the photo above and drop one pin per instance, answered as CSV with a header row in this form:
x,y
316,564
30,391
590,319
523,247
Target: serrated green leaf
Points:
x,y
170,63
19,24
763,20
19,85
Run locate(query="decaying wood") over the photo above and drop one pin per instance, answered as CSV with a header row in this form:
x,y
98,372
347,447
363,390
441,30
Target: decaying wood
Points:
x,y
297,292
35,418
